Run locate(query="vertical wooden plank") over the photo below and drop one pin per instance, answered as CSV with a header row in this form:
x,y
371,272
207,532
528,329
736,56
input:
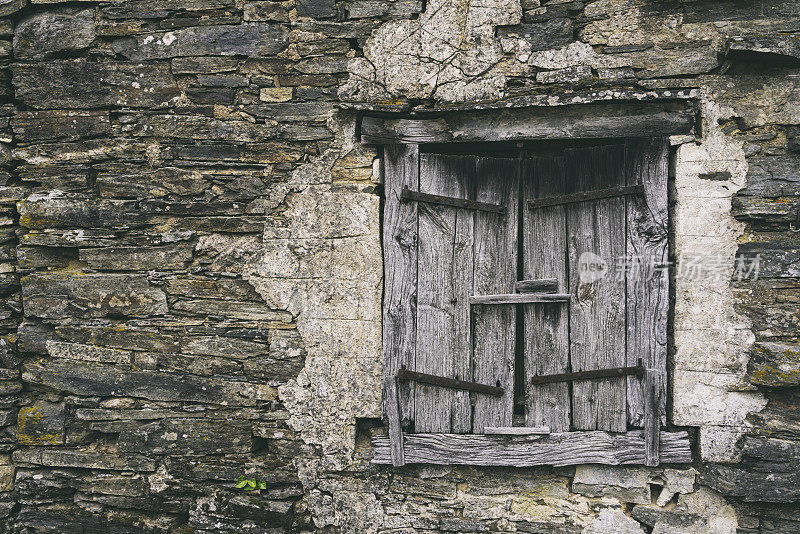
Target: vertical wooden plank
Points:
x,y
546,326
392,412
444,279
655,381
596,231
647,285
495,271
401,166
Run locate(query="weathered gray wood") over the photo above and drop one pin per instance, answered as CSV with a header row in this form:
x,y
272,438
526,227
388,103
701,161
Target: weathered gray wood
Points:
x,y
444,279
400,288
637,370
519,298
392,407
546,334
654,388
516,430
597,312
647,298
570,448
542,285
566,122
495,271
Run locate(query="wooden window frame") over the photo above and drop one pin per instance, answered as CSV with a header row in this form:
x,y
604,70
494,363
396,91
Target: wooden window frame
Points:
x,y
401,138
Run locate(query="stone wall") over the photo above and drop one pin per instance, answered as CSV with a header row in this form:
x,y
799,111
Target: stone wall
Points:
x,y
191,275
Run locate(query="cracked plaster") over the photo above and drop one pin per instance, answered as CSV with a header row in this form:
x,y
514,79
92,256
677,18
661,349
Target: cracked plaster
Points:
x,y
321,261
711,338
449,52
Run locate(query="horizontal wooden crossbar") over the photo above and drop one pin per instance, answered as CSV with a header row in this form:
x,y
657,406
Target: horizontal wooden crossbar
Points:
x,y
452,383
416,196
572,198
520,298
613,372
560,449
543,285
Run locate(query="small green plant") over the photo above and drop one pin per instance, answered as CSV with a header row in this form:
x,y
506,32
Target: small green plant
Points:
x,y
250,484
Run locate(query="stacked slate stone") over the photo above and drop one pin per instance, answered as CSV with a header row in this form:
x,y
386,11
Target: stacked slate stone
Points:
x,y
145,145
140,143
10,291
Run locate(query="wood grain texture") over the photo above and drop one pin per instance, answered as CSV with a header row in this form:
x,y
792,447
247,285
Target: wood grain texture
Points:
x,y
541,285
400,288
654,388
444,281
516,430
546,334
520,298
597,312
567,122
495,271
569,448
647,298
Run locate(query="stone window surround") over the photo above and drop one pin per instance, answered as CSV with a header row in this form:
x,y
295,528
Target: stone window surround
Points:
x,y
706,391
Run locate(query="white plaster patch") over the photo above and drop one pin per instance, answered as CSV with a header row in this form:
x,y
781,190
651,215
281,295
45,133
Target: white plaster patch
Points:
x,y
711,338
322,263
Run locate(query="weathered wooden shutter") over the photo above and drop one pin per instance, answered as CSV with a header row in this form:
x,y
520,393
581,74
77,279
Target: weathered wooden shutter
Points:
x,y
616,319
437,256
445,244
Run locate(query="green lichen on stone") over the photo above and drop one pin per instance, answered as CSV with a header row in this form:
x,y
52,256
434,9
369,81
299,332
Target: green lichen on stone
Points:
x,y
41,423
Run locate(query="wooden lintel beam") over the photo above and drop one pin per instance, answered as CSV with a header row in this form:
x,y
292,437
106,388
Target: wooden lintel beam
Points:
x,y
643,119
516,430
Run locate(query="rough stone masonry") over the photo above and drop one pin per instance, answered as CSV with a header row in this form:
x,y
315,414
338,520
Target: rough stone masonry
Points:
x,y
191,277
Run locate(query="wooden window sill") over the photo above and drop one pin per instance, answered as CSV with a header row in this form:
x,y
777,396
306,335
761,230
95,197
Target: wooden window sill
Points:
x,y
566,448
